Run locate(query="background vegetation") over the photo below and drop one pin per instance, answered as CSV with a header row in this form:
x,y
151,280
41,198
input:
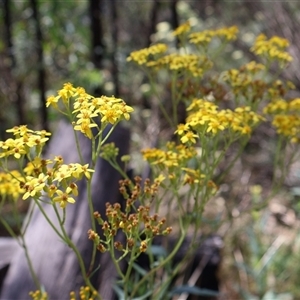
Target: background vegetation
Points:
x,y
46,43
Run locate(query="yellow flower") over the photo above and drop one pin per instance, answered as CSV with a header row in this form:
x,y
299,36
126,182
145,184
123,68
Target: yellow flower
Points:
x,y
52,101
34,186
63,172
78,170
142,56
203,37
25,140
181,129
72,188
10,185
230,33
159,179
195,64
21,130
189,136
85,125
110,115
192,176
63,198
36,166
182,29
272,49
214,126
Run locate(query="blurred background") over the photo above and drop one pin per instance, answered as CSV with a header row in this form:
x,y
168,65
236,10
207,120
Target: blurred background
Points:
x,y
44,44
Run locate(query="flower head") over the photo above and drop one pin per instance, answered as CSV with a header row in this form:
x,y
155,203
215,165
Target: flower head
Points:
x,y
63,198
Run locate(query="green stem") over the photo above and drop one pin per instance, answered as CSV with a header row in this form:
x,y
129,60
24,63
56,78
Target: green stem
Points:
x,y
21,241
78,147
93,222
28,218
69,242
48,219
106,137
174,98
276,161
165,261
162,108
34,277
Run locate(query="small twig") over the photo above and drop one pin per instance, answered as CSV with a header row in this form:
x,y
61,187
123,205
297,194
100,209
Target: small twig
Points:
x,y
195,276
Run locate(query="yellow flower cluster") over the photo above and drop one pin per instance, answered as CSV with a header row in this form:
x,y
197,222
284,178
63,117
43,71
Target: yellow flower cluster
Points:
x,y
195,64
205,117
58,182
10,185
88,109
279,89
142,56
173,157
25,141
192,176
245,81
272,49
85,293
286,117
38,295
182,29
204,37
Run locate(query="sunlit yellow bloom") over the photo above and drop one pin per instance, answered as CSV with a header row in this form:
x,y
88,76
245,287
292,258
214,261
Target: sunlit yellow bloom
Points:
x,y
21,130
142,56
172,157
204,37
204,117
36,166
63,172
85,125
195,64
192,176
34,186
272,49
229,33
159,179
189,136
78,170
51,100
181,129
72,188
63,198
278,105
89,110
214,126
286,117
182,29
74,170
10,187
25,140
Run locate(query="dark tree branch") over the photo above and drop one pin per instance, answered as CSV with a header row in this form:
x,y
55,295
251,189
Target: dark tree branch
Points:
x,y
174,14
41,67
8,34
95,11
18,86
174,17
153,20
114,33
